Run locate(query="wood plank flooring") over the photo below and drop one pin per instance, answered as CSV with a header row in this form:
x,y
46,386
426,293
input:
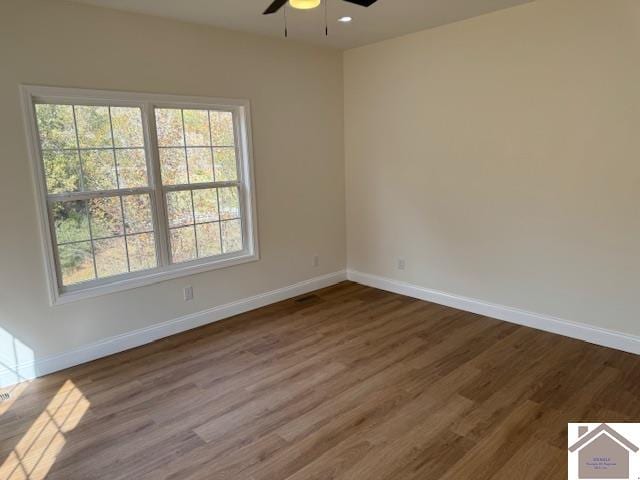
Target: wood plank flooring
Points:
x,y
346,383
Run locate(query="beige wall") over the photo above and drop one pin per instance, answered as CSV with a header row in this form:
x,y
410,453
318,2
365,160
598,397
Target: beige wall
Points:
x,y
500,156
297,108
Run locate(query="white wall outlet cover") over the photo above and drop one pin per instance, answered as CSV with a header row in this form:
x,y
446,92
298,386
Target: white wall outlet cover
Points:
x,y
188,293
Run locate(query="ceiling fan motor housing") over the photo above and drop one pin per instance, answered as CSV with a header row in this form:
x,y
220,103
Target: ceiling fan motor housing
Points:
x,y
276,5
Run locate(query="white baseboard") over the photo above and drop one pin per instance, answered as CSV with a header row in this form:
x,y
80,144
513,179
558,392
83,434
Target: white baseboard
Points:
x,y
10,375
598,336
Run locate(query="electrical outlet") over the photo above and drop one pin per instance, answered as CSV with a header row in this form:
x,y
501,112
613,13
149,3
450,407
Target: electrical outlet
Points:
x,y
401,264
188,293
316,261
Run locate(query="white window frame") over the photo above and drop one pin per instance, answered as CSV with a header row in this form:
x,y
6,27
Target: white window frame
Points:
x,y
148,103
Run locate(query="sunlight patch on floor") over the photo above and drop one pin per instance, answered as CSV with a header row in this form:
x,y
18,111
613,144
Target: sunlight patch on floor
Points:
x,y
37,450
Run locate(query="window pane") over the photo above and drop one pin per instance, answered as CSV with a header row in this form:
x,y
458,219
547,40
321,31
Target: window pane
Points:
x,y
208,239
56,127
183,244
179,208
174,166
222,128
225,164
200,165
205,205
127,127
229,203
196,127
71,221
142,252
137,213
231,236
94,127
76,263
132,168
169,127
62,170
99,170
106,217
111,257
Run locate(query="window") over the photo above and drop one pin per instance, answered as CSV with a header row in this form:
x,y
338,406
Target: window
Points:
x,y
200,181
139,188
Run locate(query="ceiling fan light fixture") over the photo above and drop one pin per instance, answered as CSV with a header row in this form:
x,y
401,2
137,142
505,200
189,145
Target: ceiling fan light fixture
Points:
x,y
305,4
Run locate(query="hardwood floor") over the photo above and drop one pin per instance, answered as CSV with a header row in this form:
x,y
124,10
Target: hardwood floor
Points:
x,y
347,383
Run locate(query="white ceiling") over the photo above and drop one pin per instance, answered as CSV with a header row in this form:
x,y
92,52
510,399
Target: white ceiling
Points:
x,y
385,19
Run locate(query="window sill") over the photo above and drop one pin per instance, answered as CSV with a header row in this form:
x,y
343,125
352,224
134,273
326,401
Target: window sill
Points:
x,y
152,277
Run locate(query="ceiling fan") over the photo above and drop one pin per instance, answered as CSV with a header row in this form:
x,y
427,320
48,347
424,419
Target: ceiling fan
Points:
x,y
308,4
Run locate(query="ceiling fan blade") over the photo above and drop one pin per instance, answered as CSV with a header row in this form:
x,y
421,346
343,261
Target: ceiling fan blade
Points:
x,y
275,6
362,3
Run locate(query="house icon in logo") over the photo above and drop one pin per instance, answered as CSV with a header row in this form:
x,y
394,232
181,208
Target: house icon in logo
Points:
x,y
603,453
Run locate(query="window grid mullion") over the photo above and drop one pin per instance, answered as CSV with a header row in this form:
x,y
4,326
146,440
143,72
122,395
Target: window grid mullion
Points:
x,y
87,206
115,165
75,196
91,149
75,127
199,186
111,237
184,142
186,159
195,232
220,221
213,161
115,161
93,246
124,231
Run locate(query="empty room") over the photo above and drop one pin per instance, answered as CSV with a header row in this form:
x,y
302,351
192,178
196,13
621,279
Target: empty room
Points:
x,y
319,239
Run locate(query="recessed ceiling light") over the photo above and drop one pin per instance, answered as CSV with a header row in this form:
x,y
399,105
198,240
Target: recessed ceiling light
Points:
x,y
345,19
